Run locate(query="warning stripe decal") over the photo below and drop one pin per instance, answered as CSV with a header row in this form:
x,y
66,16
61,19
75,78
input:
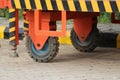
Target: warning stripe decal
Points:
x,y
69,5
12,26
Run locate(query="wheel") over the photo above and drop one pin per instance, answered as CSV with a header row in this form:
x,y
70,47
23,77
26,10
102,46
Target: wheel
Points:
x,y
47,53
89,44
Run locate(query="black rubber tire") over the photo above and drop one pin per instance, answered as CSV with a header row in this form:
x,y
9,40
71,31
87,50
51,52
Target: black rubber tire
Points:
x,y
88,45
53,48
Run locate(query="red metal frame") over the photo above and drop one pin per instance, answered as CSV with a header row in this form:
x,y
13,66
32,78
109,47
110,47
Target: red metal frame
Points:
x,y
83,27
5,4
113,20
39,27
16,27
42,27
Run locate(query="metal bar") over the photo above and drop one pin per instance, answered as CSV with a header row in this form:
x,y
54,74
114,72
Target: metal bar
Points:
x,y
13,30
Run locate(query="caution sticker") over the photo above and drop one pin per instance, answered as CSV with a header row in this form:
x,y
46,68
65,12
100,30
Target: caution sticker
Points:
x,y
2,29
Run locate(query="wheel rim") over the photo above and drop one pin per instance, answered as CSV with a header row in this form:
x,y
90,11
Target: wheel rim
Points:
x,y
84,43
42,51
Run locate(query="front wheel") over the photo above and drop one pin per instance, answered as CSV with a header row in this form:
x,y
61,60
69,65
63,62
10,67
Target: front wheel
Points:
x,y
47,53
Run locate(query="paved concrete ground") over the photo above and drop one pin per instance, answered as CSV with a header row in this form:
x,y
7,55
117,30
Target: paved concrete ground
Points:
x,y
102,64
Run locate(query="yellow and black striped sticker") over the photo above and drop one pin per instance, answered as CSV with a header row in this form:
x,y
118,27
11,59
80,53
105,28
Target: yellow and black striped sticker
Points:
x,y
2,29
26,25
12,26
69,5
4,33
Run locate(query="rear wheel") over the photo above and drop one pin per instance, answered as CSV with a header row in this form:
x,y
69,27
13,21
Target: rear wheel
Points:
x,y
89,44
47,53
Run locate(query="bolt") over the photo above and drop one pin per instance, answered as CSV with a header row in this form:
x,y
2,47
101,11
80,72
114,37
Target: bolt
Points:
x,y
82,37
38,44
